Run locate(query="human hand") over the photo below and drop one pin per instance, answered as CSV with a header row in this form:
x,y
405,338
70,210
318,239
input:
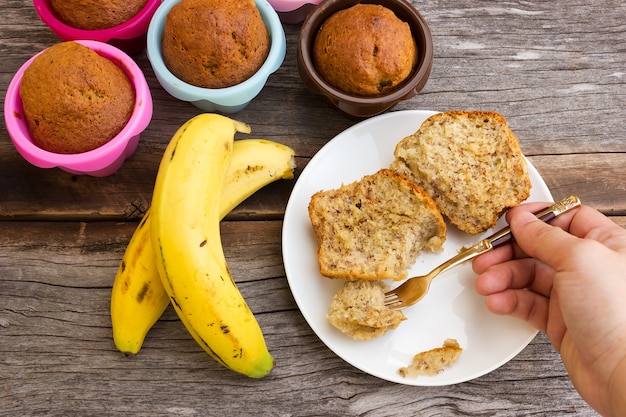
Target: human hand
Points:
x,y
569,282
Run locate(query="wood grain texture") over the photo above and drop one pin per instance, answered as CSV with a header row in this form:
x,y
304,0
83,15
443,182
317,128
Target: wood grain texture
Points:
x,y
555,70
58,358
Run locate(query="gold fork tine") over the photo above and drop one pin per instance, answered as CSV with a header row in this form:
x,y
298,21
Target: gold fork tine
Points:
x,y
414,289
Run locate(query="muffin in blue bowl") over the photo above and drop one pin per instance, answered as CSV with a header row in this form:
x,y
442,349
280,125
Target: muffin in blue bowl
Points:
x,y
216,55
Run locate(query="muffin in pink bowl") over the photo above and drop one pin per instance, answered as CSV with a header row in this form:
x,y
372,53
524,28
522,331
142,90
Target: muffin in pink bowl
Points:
x,y
83,125
121,23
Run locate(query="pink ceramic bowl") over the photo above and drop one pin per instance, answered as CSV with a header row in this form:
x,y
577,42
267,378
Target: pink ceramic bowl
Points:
x,y
130,36
101,161
293,11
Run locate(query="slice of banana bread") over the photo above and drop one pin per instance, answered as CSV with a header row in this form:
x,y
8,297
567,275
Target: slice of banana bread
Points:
x,y
374,228
470,163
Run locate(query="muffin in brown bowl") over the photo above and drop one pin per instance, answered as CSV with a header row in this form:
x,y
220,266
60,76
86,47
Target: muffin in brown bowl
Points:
x,y
365,50
75,100
214,43
358,105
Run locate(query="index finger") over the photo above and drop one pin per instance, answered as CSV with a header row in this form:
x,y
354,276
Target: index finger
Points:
x,y
513,251
540,240
583,222
563,220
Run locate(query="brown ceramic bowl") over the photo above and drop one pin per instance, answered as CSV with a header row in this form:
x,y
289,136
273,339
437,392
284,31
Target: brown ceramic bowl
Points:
x,y
358,106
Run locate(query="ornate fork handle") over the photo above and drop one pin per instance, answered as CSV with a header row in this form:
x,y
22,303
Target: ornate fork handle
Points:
x,y
555,209
463,256
504,235
414,289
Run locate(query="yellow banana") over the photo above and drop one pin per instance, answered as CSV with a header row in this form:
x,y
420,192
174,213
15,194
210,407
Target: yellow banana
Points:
x,y
138,298
185,232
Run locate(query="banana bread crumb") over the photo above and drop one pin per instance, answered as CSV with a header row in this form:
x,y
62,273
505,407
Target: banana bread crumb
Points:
x,y
433,361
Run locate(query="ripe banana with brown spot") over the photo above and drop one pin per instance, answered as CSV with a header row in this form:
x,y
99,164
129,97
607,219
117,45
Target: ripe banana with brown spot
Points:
x,y
138,297
185,234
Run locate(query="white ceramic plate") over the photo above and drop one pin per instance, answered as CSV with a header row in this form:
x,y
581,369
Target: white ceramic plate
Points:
x,y
452,308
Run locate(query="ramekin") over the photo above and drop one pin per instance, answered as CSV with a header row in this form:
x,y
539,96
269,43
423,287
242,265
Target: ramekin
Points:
x,y
102,161
358,106
223,100
129,36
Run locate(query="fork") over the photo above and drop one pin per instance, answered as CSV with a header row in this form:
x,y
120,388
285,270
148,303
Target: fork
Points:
x,y
414,289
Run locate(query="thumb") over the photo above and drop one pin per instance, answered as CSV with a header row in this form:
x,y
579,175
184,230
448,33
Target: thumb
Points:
x,y
537,239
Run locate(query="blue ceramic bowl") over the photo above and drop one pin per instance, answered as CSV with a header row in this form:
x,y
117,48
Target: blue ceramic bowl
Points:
x,y
223,100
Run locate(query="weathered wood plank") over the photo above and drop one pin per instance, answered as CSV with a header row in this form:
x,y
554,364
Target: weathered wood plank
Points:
x,y
52,194
558,78
554,69
598,179
58,357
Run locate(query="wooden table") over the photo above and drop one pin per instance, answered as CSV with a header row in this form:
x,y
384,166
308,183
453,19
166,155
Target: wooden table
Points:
x,y
556,70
